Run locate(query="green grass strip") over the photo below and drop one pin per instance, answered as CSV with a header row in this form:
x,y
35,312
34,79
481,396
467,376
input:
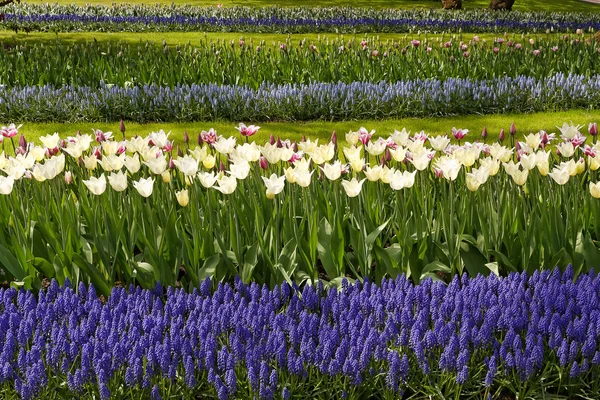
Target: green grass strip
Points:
x,y
524,123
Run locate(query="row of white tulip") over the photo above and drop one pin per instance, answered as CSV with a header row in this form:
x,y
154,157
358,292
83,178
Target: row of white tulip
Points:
x,y
362,158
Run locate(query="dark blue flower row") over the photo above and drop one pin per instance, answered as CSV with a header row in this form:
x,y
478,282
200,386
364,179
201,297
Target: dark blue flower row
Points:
x,y
273,19
246,340
357,100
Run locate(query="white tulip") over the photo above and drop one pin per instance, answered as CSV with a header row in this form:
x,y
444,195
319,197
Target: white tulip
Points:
x,y
144,186
332,171
6,184
274,184
187,165
96,185
118,181
352,187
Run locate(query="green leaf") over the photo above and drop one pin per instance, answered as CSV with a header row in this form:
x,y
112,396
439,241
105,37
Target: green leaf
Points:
x,y
44,266
250,262
436,266
474,261
96,278
209,267
376,232
11,264
501,259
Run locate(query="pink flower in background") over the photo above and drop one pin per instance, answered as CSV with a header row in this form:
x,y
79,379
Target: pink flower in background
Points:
x,y
518,46
247,131
555,49
209,137
496,50
364,135
459,133
536,52
416,43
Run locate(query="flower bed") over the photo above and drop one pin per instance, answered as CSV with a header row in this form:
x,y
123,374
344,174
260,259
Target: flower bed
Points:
x,y
52,18
531,336
250,64
294,102
136,211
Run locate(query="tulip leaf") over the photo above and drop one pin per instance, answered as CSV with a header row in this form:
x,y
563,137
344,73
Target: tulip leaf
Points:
x,y
250,262
96,278
474,261
324,249
11,264
435,266
591,252
44,266
503,260
375,234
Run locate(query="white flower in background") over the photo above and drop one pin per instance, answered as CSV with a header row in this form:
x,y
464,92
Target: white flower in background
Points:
x,y
450,167
569,131
199,153
500,153
136,145
421,160
110,147
132,163
159,139
37,153
401,138
491,164
510,167
528,161
249,151
240,170
308,147
302,177
542,162
26,161
352,187
54,166
560,174
594,162
401,180
14,168
373,174
207,179
357,165
416,146
323,154
520,177
466,155
594,189
439,143
566,149
477,177
118,181
183,197
74,149
387,174
6,184
209,161
166,176
150,153
157,165
271,152
303,164
352,138
225,145
274,184
580,166
290,175
352,153
96,185
377,147
398,154
112,162
90,162
38,173
533,140
50,141
188,165
144,186
286,153
332,171
226,184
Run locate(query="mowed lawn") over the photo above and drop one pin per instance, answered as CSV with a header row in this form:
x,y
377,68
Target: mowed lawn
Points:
x,y
521,5
525,123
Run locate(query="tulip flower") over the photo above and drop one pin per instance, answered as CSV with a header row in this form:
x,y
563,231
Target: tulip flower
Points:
x,y
352,138
274,184
226,184
332,171
183,197
364,135
565,149
247,131
207,179
157,165
520,177
593,128
569,131
90,162
118,181
401,180
373,174
132,163
240,170
96,185
302,177
560,174
144,186
68,177
209,137
6,184
459,134
209,161
352,187
595,190
376,148
439,143
188,165
450,167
